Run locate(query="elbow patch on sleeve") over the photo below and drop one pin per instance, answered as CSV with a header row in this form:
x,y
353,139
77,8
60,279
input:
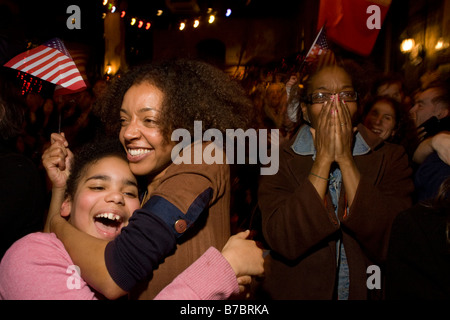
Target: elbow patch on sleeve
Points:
x,y
175,219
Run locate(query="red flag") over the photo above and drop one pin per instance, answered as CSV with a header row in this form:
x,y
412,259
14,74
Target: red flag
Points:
x,y
51,62
353,24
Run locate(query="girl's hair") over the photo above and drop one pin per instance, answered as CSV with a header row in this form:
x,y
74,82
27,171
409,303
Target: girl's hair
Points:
x,y
193,90
89,154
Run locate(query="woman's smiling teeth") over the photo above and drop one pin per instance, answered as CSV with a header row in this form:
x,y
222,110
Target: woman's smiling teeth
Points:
x,y
138,152
376,131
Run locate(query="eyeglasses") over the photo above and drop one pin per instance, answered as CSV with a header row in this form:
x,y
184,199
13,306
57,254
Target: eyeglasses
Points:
x,y
321,97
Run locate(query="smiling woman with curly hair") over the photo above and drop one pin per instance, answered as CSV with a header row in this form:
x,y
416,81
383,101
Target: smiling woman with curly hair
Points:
x,y
143,108
193,90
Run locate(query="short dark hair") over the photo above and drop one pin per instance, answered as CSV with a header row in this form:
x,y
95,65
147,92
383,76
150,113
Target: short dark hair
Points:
x,y
443,96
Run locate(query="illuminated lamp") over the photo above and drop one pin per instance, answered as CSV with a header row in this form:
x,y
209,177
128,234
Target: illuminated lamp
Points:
x,y
407,45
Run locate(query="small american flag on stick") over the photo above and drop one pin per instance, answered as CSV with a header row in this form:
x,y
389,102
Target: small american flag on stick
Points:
x,y
319,55
51,62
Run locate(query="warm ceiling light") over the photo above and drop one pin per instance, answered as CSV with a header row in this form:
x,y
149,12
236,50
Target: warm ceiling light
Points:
x,y
196,23
441,44
211,18
407,45
182,25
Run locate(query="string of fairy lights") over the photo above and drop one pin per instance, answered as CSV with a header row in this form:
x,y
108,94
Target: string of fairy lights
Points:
x,y
208,17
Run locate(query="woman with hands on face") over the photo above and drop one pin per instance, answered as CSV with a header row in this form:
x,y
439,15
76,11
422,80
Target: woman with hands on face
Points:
x,y
331,115
327,212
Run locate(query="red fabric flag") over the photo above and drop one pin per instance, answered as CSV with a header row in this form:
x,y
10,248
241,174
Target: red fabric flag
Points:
x,y
353,24
51,62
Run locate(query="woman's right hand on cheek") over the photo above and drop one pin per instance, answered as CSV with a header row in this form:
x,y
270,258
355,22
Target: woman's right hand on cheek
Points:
x,y
56,160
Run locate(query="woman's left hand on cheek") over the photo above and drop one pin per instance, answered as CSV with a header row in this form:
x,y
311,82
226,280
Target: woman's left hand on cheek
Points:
x,y
344,132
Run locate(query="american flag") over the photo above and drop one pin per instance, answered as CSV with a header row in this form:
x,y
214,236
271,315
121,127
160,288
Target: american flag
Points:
x,y
51,62
320,54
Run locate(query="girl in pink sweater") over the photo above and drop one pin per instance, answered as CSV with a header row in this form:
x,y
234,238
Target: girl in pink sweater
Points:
x,y
101,195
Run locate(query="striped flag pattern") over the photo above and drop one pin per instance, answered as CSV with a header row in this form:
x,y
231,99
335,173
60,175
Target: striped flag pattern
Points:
x,y
51,62
319,53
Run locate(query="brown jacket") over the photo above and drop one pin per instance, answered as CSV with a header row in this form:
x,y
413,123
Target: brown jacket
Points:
x,y
302,230
181,185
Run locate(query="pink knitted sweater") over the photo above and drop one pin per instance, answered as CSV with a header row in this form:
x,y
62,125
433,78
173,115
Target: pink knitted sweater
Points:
x,y
37,267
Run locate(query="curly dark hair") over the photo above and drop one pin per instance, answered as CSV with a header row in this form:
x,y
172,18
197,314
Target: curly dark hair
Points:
x,y
89,154
193,90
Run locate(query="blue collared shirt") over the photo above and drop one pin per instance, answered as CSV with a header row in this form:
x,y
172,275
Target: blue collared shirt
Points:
x,y
304,145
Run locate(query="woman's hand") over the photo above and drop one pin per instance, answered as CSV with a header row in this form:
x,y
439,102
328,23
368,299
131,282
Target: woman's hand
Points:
x,y
344,132
344,146
244,256
324,135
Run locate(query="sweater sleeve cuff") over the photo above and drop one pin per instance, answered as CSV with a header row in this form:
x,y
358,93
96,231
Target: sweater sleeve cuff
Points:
x,y
210,277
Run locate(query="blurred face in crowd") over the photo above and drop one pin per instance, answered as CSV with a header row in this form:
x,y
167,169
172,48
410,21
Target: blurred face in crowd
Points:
x,y
329,81
393,90
147,151
105,198
381,119
274,94
425,108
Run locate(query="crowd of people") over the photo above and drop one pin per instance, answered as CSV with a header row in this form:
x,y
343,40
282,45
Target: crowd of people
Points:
x,y
363,180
